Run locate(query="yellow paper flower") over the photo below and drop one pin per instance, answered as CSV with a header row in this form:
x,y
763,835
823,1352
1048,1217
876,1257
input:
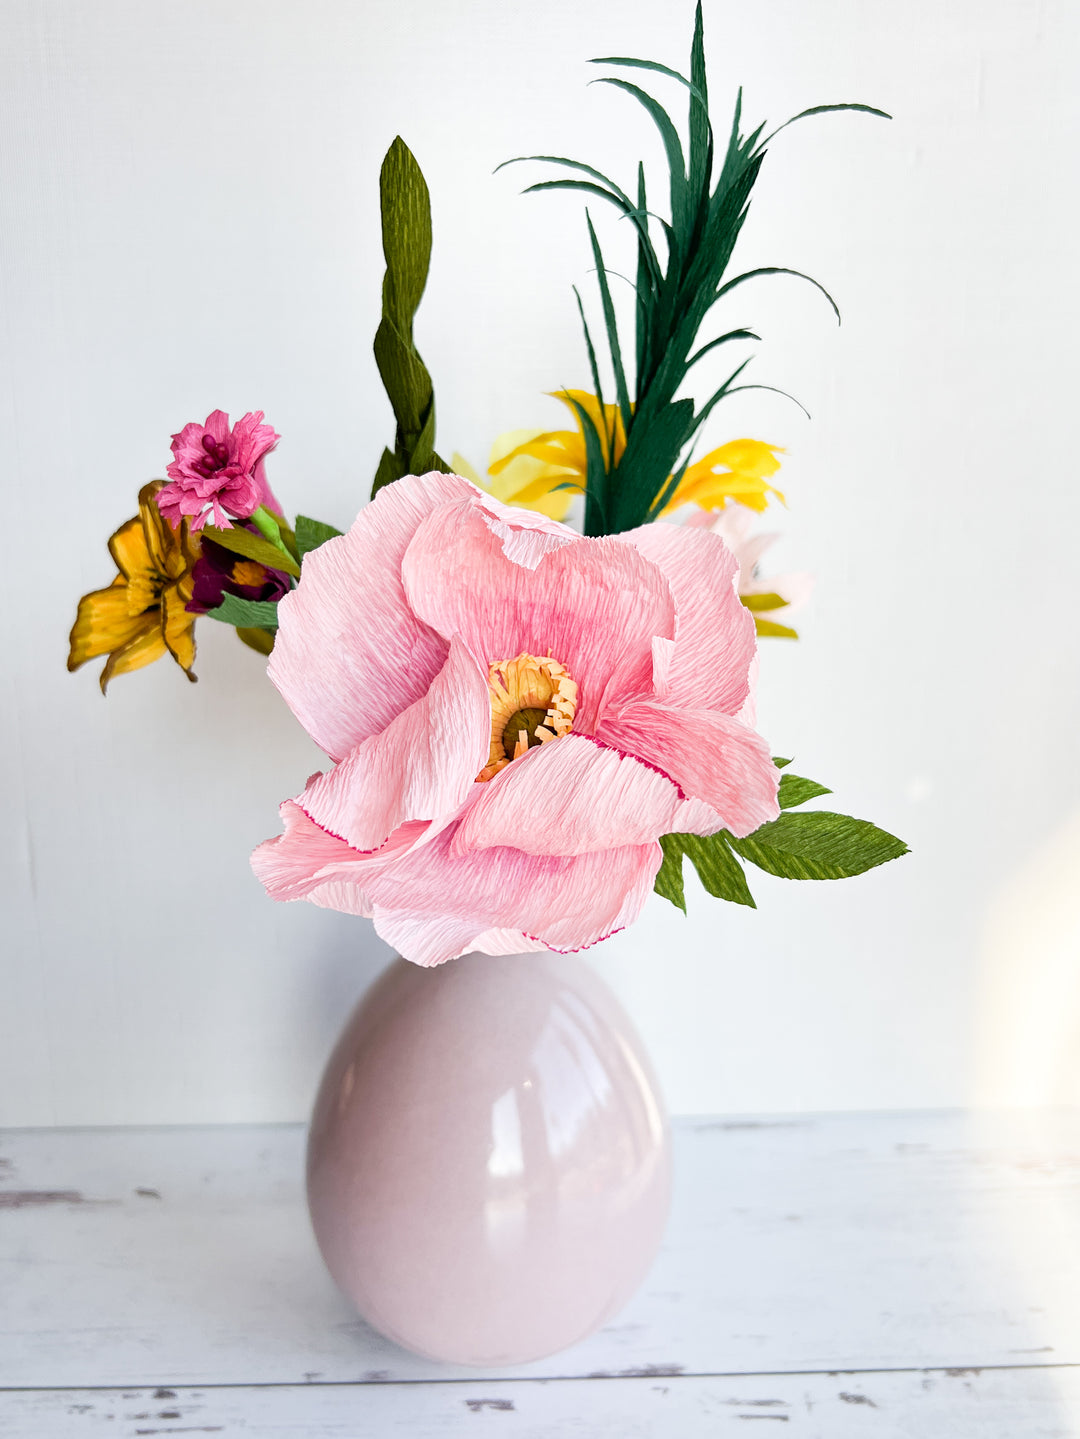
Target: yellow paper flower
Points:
x,y
739,471
141,615
526,465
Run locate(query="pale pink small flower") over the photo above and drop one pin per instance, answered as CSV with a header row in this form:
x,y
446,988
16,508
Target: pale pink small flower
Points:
x,y
219,472
733,525
516,714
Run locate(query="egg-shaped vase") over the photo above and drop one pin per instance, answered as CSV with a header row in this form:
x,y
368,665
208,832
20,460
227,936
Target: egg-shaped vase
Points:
x,y
488,1162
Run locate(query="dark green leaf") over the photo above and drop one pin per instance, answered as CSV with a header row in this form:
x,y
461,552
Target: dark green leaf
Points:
x,y
406,234
795,790
817,844
826,110
246,614
778,270
253,547
621,391
389,470
669,881
672,145
572,165
310,534
720,340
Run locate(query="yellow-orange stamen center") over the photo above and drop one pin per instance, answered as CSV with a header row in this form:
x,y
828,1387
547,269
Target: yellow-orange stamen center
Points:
x,y
532,701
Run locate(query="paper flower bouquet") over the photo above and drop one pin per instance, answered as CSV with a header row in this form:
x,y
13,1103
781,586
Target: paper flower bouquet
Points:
x,y
529,725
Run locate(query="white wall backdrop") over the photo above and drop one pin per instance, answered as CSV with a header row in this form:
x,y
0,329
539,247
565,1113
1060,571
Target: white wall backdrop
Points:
x,y
188,219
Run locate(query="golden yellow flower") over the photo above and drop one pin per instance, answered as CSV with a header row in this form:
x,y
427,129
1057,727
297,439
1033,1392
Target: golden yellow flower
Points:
x,y
141,615
527,465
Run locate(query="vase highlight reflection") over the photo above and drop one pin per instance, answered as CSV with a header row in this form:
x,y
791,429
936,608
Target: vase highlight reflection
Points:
x,y
488,1164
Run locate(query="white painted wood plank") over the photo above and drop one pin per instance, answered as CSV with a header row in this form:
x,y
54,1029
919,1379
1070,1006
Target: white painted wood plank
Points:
x,y
994,1404
840,1242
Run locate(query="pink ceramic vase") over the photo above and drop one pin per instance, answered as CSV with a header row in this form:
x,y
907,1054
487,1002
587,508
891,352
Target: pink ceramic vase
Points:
x,y
488,1166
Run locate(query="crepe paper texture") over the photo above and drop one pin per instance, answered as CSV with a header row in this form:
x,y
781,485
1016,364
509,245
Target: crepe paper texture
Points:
x,y
528,728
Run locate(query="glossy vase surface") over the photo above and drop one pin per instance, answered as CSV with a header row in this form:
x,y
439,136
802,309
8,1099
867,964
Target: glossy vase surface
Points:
x,y
488,1164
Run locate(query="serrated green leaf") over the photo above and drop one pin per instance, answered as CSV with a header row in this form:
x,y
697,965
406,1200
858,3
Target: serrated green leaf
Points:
x,y
669,880
253,547
310,534
818,844
246,614
718,869
796,790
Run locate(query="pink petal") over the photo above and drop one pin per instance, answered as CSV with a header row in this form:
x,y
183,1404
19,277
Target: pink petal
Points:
x,y
298,863
712,757
434,904
422,766
570,796
714,633
350,654
593,604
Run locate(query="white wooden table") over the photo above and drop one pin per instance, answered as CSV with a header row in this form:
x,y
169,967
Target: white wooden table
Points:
x,y
873,1275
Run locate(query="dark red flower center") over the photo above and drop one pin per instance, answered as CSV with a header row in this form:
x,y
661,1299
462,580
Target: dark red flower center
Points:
x,y
216,457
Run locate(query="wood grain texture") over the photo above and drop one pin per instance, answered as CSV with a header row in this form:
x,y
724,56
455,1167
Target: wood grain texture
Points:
x,y
183,1256
1034,1403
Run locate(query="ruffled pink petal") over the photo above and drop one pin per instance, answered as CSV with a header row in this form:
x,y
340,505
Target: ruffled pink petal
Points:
x,y
350,654
712,757
422,766
434,904
714,634
570,796
593,604
305,859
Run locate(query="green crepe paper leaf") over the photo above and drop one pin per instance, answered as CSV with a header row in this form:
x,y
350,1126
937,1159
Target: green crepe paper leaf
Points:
x,y
310,534
718,869
769,629
405,206
622,394
571,165
818,845
763,602
796,790
720,872
778,270
253,547
669,881
780,763
262,641
246,614
721,340
826,110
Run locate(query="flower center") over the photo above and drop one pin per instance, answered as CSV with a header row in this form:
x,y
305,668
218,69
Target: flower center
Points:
x,y
216,457
532,701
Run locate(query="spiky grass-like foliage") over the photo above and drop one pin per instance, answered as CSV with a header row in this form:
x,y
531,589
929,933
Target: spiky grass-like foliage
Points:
x,y
673,299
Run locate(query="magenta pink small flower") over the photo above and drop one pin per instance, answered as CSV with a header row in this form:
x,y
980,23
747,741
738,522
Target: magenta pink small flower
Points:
x,y
219,471
516,714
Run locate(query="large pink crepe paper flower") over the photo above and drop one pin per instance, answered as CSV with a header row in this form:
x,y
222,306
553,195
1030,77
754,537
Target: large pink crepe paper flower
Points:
x,y
516,715
218,471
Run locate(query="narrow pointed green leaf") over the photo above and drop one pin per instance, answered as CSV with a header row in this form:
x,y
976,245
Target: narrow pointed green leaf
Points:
x,y
253,547
672,145
755,603
780,763
769,629
700,128
622,394
721,340
818,844
653,65
310,534
778,270
795,790
609,447
826,110
596,497
571,165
